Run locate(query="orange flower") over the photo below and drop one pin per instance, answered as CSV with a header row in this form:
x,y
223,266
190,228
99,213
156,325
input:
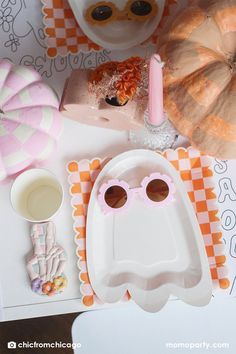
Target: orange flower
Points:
x,y
107,68
129,76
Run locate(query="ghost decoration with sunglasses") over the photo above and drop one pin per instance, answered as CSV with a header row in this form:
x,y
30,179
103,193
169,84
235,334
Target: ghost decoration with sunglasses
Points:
x,y
118,24
143,236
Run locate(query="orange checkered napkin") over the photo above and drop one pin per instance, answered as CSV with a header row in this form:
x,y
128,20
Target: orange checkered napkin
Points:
x,y
63,34
194,169
82,176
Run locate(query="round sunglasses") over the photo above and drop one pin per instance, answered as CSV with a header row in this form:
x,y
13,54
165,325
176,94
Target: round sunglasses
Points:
x,y
116,195
104,12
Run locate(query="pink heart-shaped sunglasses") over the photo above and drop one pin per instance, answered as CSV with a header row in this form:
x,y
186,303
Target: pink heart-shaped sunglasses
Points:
x,y
116,195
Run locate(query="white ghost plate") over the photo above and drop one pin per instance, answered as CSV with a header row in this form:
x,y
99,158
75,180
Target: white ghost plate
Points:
x,y
120,34
152,252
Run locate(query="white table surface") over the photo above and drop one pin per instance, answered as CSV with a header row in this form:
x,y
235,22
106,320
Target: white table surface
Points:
x,y
178,327
16,297
17,301
78,141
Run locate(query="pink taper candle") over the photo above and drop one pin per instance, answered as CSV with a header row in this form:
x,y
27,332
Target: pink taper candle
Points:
x,y
155,104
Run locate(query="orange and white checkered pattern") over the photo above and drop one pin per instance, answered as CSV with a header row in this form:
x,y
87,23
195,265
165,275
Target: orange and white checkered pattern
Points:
x,y
64,36
194,169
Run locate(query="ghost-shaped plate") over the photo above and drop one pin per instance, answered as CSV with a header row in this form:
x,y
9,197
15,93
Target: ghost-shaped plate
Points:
x,y
119,34
150,251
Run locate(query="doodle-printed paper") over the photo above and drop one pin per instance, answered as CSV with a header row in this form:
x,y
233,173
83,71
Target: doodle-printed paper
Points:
x,y
22,41
225,176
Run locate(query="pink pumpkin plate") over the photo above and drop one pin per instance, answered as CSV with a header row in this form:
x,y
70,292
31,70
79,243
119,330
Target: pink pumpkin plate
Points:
x,y
30,122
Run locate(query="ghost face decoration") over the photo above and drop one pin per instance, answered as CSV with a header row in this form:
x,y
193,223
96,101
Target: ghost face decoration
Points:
x,y
143,236
118,24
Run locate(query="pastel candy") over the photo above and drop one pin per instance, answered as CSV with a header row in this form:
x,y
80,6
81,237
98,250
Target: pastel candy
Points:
x,y
46,265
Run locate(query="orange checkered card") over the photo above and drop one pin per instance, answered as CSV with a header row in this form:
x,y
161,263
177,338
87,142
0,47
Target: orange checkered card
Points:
x,y
195,171
63,34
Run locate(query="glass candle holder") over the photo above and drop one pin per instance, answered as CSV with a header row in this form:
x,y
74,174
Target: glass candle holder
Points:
x,y
154,137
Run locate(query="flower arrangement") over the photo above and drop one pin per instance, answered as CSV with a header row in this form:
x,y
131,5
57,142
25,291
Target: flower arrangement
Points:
x,y
122,80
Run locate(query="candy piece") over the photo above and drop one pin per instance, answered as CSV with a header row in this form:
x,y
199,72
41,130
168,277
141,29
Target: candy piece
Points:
x,y
60,283
36,285
49,288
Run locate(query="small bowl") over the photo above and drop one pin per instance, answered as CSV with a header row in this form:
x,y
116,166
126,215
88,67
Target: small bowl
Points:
x,y
116,35
37,195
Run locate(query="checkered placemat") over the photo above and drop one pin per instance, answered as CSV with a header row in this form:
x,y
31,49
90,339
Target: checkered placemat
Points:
x,y
194,169
63,34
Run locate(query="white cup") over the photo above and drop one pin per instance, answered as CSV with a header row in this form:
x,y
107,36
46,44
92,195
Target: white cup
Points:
x,y
36,195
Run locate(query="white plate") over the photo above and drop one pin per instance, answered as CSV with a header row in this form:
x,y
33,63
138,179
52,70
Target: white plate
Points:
x,y
151,252
119,34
